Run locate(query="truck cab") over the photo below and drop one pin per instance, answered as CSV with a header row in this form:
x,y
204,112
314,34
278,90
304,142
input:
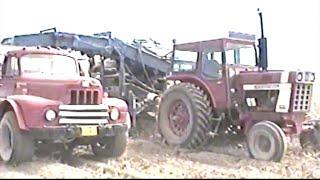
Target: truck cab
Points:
x,y
44,98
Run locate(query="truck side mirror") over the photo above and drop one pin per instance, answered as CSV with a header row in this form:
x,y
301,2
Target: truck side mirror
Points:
x,y
1,71
1,64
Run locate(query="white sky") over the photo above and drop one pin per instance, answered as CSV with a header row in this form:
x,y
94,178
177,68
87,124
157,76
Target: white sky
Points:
x,y
291,26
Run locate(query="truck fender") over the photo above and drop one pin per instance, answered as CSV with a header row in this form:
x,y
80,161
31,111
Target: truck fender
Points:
x,y
118,103
7,104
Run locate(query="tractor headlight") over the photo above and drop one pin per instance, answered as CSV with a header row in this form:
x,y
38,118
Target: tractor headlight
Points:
x,y
299,76
305,77
312,77
50,115
114,114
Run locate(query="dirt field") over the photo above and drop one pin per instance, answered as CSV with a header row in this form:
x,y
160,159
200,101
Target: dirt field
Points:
x,y
152,159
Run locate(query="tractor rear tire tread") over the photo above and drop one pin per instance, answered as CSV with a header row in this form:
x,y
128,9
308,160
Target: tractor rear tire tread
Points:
x,y
201,113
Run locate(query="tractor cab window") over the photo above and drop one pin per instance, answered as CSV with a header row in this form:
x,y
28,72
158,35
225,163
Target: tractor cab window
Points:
x,y
184,61
247,56
211,65
244,56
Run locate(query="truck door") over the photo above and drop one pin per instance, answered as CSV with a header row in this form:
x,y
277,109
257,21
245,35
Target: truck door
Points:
x,y
9,74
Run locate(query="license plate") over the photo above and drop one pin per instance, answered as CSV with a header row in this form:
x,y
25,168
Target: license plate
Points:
x,y
89,130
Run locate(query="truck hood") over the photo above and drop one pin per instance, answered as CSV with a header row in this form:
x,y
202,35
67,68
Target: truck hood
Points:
x,y
57,88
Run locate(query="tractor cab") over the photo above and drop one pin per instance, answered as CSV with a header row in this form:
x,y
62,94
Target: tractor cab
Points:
x,y
208,58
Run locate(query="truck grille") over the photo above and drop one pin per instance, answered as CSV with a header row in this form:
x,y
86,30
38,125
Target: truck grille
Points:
x,y
83,114
302,97
84,97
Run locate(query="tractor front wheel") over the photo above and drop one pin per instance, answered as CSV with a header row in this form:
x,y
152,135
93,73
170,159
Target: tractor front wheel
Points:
x,y
266,141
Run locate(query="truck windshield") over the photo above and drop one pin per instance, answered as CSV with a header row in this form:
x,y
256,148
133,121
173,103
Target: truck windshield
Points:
x,y
184,61
48,65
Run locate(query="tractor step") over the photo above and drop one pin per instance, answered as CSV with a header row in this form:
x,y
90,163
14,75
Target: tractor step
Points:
x,y
217,126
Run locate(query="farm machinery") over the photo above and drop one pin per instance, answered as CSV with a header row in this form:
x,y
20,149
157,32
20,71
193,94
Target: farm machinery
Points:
x,y
218,88
229,93
128,71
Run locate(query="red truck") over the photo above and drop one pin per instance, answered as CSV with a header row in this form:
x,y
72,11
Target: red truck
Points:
x,y
45,99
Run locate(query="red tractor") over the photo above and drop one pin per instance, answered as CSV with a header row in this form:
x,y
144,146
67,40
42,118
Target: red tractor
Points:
x,y
221,92
45,100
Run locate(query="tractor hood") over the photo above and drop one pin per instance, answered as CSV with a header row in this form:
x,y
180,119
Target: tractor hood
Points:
x,y
259,77
273,76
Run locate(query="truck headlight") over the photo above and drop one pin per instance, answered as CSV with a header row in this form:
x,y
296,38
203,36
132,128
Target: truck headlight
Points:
x,y
114,114
50,115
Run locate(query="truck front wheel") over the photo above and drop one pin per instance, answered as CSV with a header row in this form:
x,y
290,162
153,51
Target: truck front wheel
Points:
x,y
266,141
16,146
113,146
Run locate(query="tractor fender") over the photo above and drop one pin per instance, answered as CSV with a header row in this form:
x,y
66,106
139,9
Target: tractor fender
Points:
x,y
189,78
11,104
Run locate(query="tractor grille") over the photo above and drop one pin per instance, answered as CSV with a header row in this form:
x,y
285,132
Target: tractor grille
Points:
x,y
84,97
302,97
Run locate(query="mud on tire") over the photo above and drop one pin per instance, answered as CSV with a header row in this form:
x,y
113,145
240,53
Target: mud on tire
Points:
x,y
188,102
16,146
113,146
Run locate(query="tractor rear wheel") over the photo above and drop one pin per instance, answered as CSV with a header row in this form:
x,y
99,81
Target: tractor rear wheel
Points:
x,y
266,141
184,116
